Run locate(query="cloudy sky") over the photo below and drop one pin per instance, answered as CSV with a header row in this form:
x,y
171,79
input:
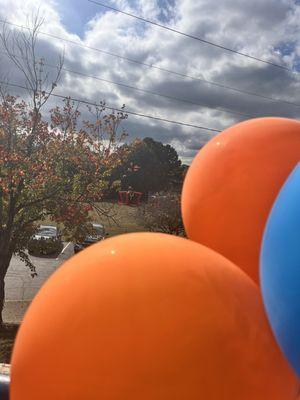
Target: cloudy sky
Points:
x,y
266,29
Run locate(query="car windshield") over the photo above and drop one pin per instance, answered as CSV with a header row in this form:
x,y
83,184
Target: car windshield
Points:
x,y
46,231
99,230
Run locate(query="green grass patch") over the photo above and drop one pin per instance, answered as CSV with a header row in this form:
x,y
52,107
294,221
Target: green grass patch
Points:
x,y
124,219
7,337
117,219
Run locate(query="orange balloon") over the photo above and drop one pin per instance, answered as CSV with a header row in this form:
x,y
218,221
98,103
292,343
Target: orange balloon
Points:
x,y
148,316
232,185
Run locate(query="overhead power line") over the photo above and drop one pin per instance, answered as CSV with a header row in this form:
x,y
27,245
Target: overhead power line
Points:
x,y
127,86
178,99
130,60
193,37
137,114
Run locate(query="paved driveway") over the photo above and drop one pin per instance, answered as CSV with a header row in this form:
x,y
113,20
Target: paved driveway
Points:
x,y
20,287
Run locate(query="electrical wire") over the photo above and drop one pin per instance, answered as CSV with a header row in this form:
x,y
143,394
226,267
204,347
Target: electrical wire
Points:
x,y
193,37
115,109
130,60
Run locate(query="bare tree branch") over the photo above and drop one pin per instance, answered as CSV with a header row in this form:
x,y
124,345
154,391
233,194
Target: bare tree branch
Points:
x,y
20,48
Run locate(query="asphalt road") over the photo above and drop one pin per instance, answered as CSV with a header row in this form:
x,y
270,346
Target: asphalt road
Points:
x,y
20,287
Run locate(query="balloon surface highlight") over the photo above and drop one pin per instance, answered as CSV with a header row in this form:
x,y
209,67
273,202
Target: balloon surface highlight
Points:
x,y
148,316
232,184
280,269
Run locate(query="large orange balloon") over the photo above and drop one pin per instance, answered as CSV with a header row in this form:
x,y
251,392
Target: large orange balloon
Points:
x,y
232,185
148,316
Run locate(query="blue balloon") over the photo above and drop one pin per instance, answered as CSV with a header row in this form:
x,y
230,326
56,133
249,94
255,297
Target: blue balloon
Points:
x,y
280,269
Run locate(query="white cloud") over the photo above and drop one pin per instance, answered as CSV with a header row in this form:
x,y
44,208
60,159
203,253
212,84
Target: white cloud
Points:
x,y
266,29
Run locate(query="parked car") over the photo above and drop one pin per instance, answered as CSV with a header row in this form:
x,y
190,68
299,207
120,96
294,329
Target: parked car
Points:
x,y
98,233
46,232
45,241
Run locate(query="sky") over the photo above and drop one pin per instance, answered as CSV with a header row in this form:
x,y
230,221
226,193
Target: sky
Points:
x,y
266,29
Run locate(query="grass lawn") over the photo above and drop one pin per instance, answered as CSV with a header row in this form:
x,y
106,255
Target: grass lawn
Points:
x,y
125,219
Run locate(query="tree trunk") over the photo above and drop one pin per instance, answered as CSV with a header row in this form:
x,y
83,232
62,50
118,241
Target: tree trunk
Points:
x,y
4,264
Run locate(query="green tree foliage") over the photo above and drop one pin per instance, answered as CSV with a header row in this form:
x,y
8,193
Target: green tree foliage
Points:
x,y
150,166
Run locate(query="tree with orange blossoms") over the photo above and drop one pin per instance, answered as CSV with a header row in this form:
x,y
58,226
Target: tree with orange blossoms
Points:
x,y
56,172
53,169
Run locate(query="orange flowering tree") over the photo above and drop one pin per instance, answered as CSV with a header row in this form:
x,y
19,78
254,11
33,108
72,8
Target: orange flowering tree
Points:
x,y
53,169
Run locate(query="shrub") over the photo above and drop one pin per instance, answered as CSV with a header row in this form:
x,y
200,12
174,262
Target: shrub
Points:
x,y
163,214
45,246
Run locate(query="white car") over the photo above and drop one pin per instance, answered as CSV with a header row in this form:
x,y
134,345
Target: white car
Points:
x,y
46,232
